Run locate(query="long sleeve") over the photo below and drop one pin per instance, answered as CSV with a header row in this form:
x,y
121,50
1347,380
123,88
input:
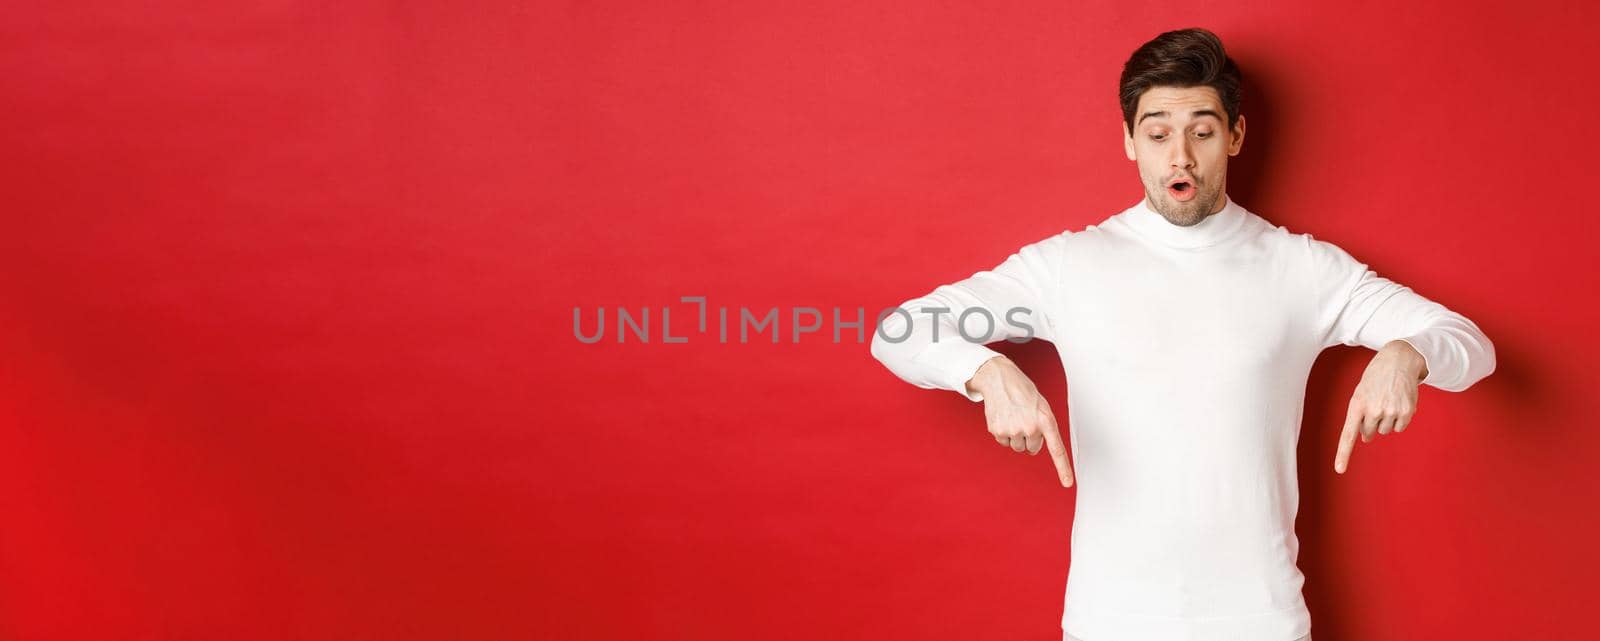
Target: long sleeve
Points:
x,y
922,344
1369,310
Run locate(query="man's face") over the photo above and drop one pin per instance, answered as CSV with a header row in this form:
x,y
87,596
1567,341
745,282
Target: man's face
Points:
x,y
1181,141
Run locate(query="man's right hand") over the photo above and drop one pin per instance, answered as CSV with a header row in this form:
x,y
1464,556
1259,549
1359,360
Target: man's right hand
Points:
x,y
1019,417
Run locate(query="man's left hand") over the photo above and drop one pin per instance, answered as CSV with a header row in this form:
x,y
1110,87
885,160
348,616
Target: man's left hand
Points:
x,y
1385,400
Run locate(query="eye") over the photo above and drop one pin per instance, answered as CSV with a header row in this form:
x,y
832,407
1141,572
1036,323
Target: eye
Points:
x,y
1203,134
1157,137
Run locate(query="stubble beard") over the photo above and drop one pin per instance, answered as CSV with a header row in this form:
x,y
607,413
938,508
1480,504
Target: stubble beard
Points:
x,y
1180,213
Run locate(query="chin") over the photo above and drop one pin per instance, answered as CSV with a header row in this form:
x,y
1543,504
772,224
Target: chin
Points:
x,y
1191,212
1182,214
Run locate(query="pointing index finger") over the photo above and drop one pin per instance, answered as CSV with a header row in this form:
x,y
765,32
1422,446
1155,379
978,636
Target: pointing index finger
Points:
x,y
1347,440
1058,453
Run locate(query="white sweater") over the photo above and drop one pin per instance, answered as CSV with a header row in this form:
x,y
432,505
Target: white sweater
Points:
x,y
1186,350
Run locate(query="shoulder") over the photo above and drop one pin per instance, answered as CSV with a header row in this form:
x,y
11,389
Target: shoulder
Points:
x,y
1088,238
1313,264
1055,256
1306,248
1067,242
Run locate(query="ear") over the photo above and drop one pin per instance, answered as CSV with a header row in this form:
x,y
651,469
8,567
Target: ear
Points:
x,y
1236,140
1127,141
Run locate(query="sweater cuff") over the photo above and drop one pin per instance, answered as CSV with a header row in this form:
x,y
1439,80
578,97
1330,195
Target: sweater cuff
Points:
x,y
956,361
1434,356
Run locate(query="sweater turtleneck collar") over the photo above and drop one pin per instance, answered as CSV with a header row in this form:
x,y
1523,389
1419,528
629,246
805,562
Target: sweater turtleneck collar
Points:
x,y
1209,231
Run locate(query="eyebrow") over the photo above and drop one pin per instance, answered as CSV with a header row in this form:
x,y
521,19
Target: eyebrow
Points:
x,y
1162,114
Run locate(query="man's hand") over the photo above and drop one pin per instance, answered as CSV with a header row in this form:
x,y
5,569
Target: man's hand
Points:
x,y
1018,415
1385,400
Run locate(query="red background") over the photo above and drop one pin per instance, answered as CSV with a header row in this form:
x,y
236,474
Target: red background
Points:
x,y
288,294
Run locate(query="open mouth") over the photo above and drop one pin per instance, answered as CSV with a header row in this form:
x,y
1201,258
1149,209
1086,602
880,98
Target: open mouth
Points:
x,y
1181,190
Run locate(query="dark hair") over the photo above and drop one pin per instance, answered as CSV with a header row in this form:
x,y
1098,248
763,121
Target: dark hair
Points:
x,y
1183,58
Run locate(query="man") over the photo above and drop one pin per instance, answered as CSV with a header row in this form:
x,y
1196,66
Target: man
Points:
x,y
1187,326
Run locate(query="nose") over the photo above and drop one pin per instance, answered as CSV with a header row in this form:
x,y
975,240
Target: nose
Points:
x,y
1182,155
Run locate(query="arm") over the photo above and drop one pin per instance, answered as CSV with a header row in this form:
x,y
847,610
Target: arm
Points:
x,y
922,344
937,342
1418,342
